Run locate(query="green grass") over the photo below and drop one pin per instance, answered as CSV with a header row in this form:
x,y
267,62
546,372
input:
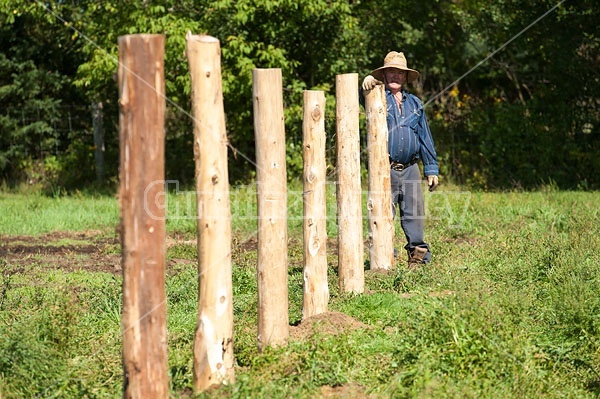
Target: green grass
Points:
x,y
509,308
36,213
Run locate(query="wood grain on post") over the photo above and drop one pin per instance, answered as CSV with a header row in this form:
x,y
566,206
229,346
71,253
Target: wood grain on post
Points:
x,y
142,205
213,339
269,129
351,273
316,290
379,203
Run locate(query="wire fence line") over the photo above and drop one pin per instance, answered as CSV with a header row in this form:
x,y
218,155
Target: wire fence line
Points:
x,y
61,118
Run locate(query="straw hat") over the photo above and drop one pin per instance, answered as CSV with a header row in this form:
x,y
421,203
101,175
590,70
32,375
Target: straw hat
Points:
x,y
395,59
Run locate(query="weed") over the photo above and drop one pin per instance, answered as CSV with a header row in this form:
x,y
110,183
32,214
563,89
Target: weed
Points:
x,y
508,308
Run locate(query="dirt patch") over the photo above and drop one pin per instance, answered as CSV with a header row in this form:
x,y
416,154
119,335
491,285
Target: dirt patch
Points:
x,y
381,272
244,244
68,251
72,251
46,250
346,391
441,294
179,239
330,323
460,240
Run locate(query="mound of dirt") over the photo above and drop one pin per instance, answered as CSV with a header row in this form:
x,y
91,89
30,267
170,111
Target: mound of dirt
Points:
x,y
330,323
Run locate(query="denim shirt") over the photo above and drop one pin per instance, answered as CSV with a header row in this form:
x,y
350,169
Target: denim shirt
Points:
x,y
409,136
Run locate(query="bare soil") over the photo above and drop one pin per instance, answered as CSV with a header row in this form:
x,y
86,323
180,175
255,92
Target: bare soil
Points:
x,y
346,391
69,251
330,323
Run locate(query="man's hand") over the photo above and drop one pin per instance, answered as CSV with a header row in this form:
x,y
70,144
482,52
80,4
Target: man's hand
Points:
x,y
432,182
370,82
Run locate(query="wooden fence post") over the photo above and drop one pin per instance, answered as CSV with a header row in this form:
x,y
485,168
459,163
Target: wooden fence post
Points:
x,y
213,339
141,200
351,273
379,203
269,128
316,289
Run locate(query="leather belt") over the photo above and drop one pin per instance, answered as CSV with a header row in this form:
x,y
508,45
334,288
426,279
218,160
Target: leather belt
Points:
x,y
401,166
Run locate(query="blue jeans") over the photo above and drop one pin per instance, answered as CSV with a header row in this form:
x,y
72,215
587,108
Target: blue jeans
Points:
x,y
408,195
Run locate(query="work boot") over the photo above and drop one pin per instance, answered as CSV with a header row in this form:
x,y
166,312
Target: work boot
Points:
x,y
416,258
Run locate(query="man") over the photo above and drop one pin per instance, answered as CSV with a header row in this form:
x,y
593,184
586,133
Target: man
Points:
x,y
409,140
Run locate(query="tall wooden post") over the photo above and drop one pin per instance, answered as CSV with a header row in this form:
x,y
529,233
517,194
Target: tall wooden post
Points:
x,y
351,273
141,200
379,203
213,340
269,128
316,290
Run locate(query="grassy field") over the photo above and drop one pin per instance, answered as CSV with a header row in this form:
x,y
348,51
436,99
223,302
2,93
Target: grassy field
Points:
x,y
509,308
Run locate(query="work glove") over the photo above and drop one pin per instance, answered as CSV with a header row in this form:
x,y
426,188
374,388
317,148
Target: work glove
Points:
x,y
432,182
370,82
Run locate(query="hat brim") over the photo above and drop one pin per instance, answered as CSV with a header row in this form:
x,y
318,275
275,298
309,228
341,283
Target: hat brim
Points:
x,y
411,76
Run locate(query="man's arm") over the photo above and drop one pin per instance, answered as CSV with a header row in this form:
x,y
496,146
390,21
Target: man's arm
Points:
x,y
428,154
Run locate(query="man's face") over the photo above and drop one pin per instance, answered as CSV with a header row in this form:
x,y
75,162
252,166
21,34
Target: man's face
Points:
x,y
394,78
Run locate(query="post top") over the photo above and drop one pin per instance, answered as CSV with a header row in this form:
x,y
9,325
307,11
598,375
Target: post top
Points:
x,y
201,38
140,36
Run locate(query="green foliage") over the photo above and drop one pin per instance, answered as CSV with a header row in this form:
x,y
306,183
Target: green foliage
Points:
x,y
518,119
39,121
532,105
309,40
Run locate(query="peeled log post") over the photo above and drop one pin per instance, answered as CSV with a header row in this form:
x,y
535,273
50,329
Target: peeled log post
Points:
x,y
379,203
351,273
316,290
213,339
269,129
141,201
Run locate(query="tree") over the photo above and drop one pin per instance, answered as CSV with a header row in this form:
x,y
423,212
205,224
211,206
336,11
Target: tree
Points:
x,y
36,65
536,92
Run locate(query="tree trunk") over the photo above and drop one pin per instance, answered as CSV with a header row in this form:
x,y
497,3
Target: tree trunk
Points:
x,y
141,197
98,123
351,273
379,203
269,127
213,340
316,290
